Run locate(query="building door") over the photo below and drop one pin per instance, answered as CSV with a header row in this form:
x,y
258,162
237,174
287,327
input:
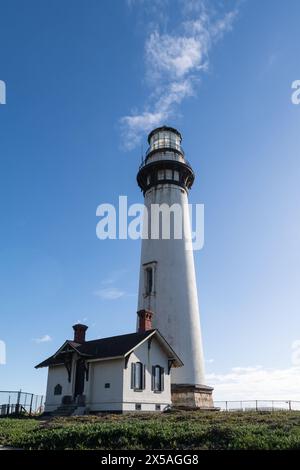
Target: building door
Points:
x,y
79,378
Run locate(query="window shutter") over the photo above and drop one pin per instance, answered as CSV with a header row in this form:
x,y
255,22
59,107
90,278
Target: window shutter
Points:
x,y
132,374
144,377
162,378
152,378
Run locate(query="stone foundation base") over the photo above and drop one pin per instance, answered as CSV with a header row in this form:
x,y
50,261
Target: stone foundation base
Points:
x,y
192,396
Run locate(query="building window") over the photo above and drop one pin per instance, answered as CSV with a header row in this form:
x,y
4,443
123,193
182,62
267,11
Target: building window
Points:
x,y
58,389
107,385
176,175
149,280
157,407
157,378
137,376
148,180
138,406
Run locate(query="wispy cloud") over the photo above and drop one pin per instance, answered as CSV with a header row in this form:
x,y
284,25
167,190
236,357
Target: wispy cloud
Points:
x,y
108,289
114,277
110,293
253,383
43,339
174,62
257,382
83,320
209,361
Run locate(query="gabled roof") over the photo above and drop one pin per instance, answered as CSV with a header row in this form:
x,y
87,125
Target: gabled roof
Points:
x,y
112,347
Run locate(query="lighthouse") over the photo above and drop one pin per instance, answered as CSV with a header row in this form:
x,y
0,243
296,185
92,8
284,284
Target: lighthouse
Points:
x,y
167,283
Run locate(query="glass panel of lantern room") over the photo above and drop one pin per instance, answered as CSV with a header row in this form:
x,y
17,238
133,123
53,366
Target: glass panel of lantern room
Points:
x,y
168,174
160,175
154,141
176,175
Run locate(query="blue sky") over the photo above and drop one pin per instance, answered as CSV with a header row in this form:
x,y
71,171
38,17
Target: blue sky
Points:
x,y
76,74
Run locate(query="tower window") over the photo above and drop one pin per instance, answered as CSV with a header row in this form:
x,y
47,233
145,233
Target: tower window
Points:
x,y
148,180
157,378
137,376
149,280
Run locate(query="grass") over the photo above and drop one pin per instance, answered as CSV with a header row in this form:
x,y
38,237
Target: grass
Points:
x,y
173,430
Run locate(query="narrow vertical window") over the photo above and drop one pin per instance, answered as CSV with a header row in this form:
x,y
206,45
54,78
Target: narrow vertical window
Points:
x,y
157,378
137,376
150,273
149,280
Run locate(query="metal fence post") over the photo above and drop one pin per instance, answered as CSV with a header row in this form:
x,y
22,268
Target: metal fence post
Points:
x,y
41,404
30,408
18,402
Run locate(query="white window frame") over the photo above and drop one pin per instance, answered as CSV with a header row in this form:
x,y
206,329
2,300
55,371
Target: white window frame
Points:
x,y
158,388
138,376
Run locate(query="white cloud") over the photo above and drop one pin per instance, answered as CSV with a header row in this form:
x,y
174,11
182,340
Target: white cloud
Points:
x,y
114,276
84,320
256,383
133,125
109,293
259,383
43,339
108,290
173,64
174,56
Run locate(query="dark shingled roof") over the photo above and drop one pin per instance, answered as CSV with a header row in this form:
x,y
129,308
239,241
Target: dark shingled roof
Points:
x,y
114,346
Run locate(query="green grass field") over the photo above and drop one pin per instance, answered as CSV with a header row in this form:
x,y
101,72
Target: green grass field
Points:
x,y
173,430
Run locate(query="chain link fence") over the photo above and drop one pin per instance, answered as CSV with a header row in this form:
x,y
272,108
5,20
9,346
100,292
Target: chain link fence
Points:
x,y
18,402
258,405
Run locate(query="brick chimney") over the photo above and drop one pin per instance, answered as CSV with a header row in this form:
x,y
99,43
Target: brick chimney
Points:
x,y
79,333
145,320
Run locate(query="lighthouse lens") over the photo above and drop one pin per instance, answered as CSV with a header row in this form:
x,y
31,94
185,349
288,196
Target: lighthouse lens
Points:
x,y
165,139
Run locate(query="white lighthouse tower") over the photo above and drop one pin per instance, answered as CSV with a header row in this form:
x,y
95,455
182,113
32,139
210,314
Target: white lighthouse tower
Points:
x,y
167,285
